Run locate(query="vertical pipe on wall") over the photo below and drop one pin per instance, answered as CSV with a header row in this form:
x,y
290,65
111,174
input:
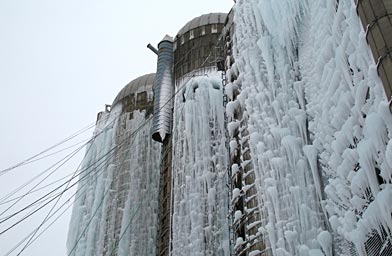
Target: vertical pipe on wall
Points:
x,y
163,91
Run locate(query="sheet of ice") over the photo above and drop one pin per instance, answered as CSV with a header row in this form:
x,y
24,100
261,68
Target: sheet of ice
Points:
x,y
200,194
116,209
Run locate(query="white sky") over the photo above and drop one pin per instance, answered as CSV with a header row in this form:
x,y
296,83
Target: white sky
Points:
x,y
60,62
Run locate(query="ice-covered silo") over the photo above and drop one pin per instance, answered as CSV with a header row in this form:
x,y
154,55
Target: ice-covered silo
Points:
x,y
116,205
199,192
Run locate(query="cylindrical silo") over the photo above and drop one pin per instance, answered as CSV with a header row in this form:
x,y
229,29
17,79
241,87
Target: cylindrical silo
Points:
x,y
116,205
197,46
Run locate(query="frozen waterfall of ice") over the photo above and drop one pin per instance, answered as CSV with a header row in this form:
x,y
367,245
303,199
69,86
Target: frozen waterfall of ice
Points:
x,y
200,195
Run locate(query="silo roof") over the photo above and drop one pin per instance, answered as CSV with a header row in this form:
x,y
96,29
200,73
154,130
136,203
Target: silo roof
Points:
x,y
211,18
140,84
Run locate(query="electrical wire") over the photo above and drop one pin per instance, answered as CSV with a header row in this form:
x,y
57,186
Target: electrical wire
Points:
x,y
34,211
49,213
48,169
33,158
56,152
48,196
84,129
62,162
41,233
38,189
42,197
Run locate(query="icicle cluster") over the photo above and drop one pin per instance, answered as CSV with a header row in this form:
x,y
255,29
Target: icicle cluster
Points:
x,y
199,221
350,122
320,127
277,123
116,204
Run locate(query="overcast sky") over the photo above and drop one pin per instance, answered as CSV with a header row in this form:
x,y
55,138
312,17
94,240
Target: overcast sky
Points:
x,y
60,62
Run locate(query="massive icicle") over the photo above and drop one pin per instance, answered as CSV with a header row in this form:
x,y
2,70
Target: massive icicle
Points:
x,y
199,219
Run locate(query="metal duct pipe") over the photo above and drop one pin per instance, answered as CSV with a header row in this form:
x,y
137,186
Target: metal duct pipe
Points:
x,y
152,48
163,91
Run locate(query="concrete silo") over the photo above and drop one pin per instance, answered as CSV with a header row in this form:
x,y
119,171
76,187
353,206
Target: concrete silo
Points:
x,y
116,205
199,156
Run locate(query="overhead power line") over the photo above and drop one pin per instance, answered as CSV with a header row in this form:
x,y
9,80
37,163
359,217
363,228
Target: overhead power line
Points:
x,y
84,129
65,159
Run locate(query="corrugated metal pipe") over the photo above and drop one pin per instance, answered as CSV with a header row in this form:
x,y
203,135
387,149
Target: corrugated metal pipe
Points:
x,y
376,17
163,91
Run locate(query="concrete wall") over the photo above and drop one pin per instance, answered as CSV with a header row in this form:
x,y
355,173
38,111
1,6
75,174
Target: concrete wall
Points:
x,y
193,47
376,17
164,218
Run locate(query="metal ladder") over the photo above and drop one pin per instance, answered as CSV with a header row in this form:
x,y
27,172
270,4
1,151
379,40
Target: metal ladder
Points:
x,y
229,181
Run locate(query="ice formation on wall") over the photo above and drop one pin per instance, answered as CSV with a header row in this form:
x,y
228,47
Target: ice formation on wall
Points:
x,y
199,222
349,121
277,125
320,128
116,205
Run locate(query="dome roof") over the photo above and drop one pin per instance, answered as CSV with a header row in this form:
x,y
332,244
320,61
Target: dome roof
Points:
x,y
140,84
211,18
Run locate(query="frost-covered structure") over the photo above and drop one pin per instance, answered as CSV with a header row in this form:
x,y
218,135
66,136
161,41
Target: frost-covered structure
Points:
x,y
116,205
299,161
